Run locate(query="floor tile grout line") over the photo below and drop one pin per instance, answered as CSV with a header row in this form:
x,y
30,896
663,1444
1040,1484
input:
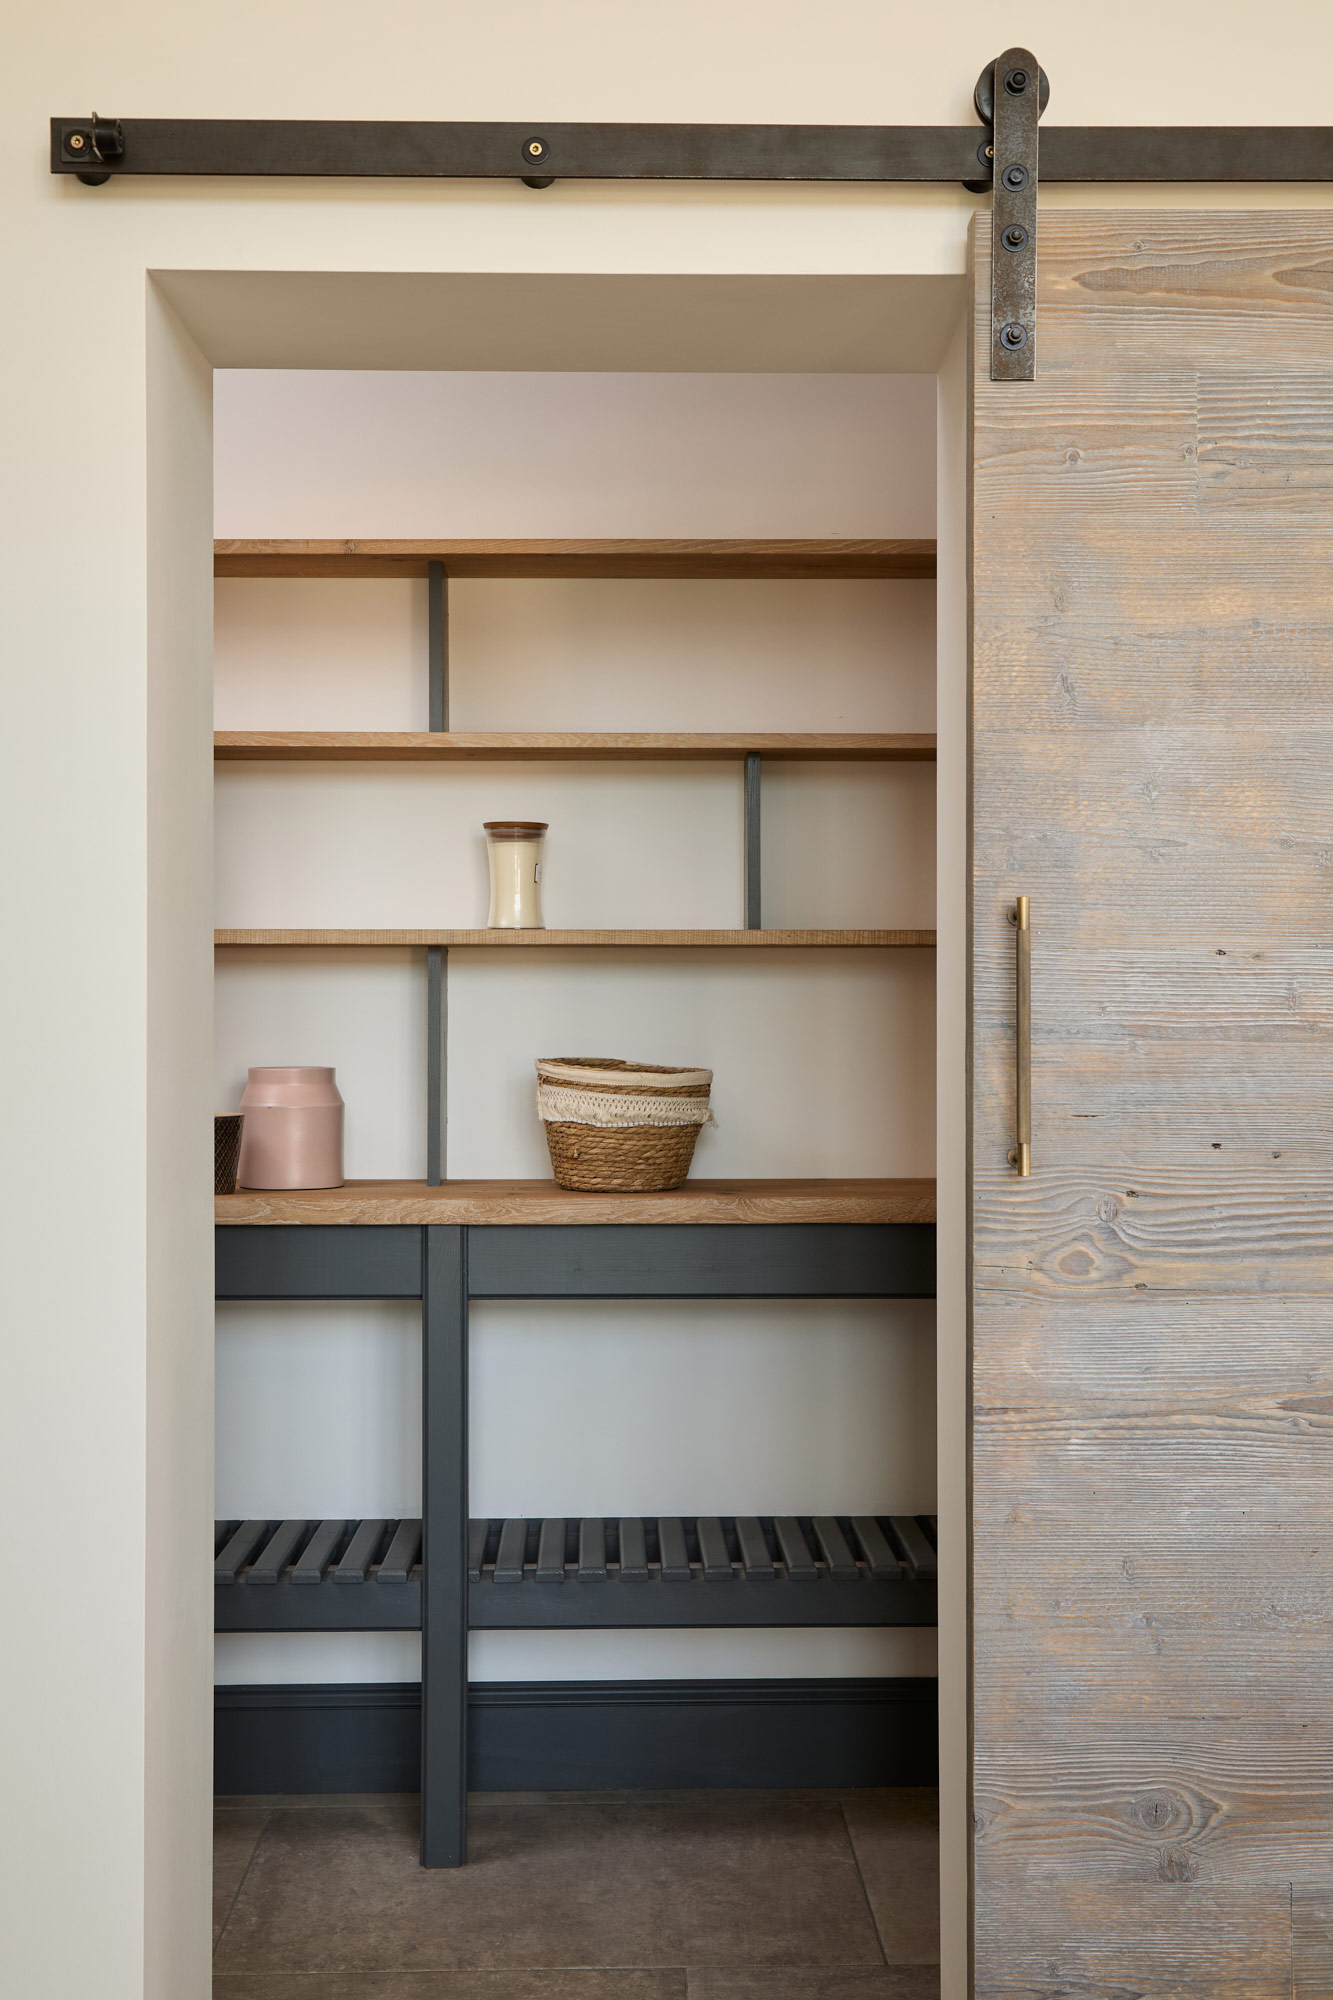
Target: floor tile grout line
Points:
x,y
856,1863
838,1971
401,1972
245,1876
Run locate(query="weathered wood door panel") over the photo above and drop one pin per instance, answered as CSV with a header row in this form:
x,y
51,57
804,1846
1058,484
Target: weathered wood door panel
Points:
x,y
1152,1423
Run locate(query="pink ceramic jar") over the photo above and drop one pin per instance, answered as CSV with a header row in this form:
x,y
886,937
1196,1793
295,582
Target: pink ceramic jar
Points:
x,y
293,1131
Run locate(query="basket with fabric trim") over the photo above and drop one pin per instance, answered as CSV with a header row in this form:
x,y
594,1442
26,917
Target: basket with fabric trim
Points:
x,y
615,1126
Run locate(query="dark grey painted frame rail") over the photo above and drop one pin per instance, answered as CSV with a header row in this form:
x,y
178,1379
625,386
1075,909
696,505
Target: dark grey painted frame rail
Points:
x,y
446,1267
832,1260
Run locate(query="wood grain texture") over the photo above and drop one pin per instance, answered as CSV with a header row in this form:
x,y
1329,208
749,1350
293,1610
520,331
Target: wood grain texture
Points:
x,y
1228,835
1312,1940
677,558
1135,1827
1183,1941
1152,1367
537,1202
501,940
1253,453
1066,1236
1173,1343
411,746
1252,1025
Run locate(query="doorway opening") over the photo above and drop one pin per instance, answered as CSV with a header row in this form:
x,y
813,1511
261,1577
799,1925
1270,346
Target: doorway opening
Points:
x,y
629,1756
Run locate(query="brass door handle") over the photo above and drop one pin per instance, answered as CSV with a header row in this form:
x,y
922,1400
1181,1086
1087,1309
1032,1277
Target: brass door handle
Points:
x,y
1020,1157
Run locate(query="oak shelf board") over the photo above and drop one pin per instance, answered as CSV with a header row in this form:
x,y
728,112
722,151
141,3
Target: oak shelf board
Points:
x,y
532,1202
912,560
459,746
549,940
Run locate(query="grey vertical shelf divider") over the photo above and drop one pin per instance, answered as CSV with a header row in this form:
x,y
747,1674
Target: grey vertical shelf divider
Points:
x,y
754,765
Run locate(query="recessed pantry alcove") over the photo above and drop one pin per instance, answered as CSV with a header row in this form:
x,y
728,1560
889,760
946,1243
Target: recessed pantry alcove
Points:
x,y
683,571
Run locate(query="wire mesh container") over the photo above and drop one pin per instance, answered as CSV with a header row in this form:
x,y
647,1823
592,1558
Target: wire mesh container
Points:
x,y
226,1151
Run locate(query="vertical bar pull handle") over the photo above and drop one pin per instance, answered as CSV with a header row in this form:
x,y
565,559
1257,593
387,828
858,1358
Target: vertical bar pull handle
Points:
x,y
1020,1158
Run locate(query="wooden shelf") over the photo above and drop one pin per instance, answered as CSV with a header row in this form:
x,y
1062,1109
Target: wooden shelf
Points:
x,y
412,1203
488,940
423,746
911,560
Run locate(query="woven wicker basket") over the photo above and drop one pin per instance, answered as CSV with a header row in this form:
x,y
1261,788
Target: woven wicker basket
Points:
x,y
620,1126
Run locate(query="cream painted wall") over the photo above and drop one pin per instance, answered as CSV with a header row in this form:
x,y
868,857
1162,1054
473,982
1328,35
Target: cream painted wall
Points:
x,y
846,1406
177,1384
561,453
89,1393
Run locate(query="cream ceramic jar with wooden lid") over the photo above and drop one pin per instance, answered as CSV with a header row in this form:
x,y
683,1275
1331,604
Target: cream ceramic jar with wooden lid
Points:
x,y
515,847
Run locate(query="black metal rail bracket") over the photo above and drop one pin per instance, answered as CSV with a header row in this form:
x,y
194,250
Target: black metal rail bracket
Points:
x,y
1000,155
86,145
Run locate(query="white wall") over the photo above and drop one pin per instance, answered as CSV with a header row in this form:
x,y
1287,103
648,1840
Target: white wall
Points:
x,y
317,1409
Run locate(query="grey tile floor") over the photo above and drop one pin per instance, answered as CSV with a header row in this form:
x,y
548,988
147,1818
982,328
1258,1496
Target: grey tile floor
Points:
x,y
582,1896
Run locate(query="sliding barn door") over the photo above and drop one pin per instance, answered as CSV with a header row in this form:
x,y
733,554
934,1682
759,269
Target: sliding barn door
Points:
x,y
1152,1415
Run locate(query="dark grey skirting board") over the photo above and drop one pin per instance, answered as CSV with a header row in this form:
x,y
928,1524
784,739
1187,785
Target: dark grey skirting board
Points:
x,y
583,1735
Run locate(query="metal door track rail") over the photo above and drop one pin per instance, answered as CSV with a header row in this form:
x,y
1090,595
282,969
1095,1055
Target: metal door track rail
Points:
x,y
670,1571
324,149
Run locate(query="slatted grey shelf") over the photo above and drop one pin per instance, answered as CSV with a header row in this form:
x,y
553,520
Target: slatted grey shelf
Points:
x,y
676,1571
317,1576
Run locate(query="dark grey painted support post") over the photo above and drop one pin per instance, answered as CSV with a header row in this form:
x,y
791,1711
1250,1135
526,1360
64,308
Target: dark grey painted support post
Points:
x,y
444,1517
753,775
437,960
437,1062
